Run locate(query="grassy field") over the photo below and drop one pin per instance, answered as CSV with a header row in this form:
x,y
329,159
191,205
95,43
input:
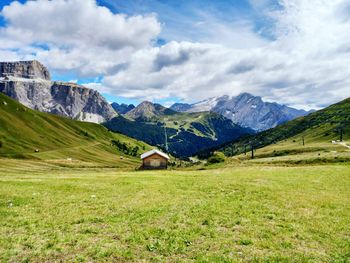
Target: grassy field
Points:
x,y
244,213
292,152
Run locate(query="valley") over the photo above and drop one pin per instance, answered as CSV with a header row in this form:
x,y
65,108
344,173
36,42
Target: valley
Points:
x,y
185,134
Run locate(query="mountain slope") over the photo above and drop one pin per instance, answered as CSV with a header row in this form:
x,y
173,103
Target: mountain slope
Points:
x,y
148,111
185,133
29,83
320,126
26,133
245,110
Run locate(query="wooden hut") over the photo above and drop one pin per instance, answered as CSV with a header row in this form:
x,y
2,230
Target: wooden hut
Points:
x,y
154,159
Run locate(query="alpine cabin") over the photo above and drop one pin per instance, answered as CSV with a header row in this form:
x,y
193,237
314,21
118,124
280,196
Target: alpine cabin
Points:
x,y
154,159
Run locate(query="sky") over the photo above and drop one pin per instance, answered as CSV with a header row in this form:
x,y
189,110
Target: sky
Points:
x,y
294,52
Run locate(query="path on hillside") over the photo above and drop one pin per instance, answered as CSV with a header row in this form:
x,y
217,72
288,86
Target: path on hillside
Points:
x,y
344,144
89,145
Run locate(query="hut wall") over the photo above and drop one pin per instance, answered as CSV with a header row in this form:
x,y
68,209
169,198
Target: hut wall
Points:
x,y
155,162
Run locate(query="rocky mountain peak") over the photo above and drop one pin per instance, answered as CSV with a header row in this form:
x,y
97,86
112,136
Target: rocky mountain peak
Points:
x,y
32,69
29,83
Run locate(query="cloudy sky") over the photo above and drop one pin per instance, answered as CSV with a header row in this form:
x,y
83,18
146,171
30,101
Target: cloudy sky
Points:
x,y
295,52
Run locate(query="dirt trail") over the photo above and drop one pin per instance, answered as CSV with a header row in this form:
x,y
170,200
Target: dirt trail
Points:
x,y
344,144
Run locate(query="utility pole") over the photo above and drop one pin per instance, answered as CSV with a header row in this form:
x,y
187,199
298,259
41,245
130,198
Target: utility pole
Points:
x,y
252,148
166,140
341,133
303,138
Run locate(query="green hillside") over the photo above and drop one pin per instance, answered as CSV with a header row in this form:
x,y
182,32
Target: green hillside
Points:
x,y
317,130
186,133
29,134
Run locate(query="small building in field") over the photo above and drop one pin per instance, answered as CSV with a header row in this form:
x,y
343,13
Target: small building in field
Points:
x,y
154,159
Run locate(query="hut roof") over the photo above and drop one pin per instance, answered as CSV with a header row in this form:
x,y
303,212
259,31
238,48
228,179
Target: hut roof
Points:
x,y
154,151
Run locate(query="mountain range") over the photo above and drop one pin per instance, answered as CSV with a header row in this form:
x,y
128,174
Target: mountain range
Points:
x,y
182,129
245,110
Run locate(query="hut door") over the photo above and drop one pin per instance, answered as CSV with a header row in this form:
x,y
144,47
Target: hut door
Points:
x,y
155,162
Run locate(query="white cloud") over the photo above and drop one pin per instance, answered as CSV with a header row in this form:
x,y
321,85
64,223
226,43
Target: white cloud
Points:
x,y
76,34
77,22
306,65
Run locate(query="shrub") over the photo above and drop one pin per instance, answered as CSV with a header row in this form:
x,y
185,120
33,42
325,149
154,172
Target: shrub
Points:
x,y
217,157
244,242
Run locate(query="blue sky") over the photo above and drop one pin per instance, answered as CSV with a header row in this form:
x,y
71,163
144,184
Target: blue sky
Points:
x,y
178,17
294,52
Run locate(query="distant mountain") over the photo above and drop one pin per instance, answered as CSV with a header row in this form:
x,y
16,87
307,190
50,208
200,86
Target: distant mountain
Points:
x,y
185,134
29,83
181,107
320,126
122,108
147,111
245,110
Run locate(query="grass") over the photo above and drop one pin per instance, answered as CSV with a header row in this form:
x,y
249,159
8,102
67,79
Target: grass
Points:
x,y
292,152
254,214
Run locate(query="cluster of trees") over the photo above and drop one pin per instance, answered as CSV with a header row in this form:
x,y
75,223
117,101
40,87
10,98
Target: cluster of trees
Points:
x,y
125,148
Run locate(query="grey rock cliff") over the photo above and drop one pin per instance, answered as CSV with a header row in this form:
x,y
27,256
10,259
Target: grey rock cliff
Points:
x,y
29,83
24,69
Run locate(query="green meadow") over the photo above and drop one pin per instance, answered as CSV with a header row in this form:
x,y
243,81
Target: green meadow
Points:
x,y
70,192
236,213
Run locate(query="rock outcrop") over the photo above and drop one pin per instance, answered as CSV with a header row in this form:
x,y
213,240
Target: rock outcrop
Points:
x,y
29,83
